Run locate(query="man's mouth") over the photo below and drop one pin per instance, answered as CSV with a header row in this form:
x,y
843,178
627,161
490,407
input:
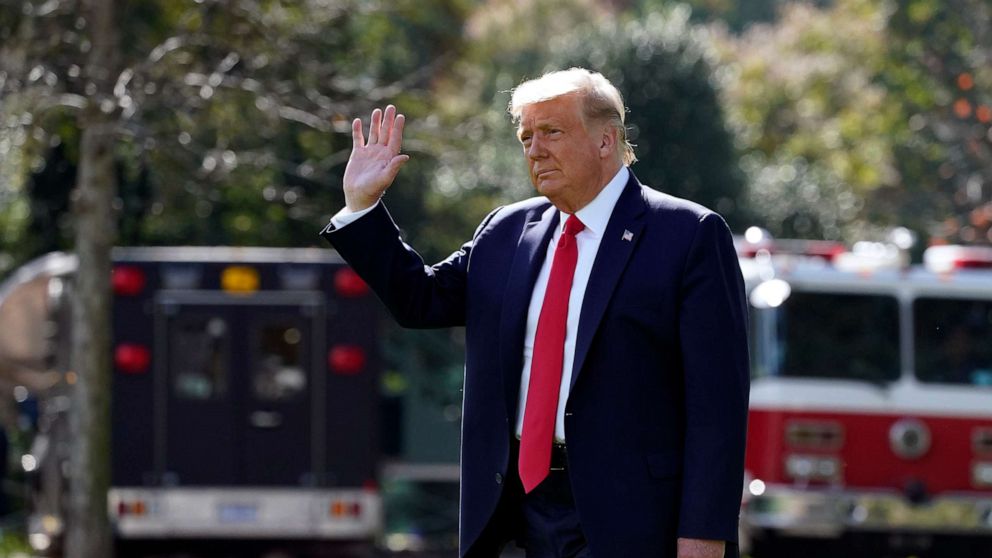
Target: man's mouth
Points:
x,y
545,173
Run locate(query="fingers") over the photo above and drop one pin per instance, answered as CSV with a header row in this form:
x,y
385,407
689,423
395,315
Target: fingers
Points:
x,y
375,126
357,138
387,124
385,128
396,133
395,163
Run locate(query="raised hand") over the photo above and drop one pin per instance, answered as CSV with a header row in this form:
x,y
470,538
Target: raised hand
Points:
x,y
373,166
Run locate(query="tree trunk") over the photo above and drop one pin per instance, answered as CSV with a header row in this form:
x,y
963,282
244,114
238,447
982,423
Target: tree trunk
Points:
x,y
88,529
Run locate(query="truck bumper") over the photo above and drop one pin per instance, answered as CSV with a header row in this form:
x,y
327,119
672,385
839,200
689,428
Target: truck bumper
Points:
x,y
829,513
248,513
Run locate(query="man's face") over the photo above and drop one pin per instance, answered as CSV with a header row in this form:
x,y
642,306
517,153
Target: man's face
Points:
x,y
563,155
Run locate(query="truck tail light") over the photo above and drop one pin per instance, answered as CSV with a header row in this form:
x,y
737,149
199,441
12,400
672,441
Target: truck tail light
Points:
x,y
346,359
947,258
127,280
814,434
131,358
345,509
135,508
348,284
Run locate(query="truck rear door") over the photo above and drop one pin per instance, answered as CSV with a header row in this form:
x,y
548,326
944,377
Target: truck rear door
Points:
x,y
241,387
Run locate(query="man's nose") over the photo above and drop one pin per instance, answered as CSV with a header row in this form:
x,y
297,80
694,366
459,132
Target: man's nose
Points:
x,y
536,149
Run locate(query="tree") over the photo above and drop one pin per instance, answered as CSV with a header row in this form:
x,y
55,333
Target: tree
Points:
x,y
939,55
88,534
226,111
813,124
233,114
861,116
661,62
664,65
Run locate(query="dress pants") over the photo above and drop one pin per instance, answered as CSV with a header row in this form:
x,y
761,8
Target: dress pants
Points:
x,y
550,521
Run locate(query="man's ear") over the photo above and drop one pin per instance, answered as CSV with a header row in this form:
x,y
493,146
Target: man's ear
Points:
x,y
608,141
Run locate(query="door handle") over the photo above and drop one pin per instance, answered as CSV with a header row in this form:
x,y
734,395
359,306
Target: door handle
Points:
x,y
265,419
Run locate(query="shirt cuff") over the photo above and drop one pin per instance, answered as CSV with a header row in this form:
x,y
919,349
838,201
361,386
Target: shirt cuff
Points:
x,y
346,216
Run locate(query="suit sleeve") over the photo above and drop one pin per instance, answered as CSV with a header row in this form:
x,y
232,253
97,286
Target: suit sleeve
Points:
x,y
713,338
417,295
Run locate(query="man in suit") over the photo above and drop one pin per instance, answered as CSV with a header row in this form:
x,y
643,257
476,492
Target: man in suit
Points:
x,y
606,375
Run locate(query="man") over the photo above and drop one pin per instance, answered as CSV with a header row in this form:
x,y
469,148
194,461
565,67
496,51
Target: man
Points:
x,y
605,330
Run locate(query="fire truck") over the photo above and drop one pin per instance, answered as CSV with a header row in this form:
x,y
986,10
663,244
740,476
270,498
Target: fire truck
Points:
x,y
870,425
244,398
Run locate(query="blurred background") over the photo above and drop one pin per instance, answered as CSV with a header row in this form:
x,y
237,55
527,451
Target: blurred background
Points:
x,y
832,120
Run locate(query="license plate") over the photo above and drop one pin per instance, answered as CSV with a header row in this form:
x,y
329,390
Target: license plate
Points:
x,y
238,513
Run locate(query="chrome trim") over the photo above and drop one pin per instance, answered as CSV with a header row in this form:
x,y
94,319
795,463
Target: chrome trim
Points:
x,y
830,512
813,433
909,438
981,474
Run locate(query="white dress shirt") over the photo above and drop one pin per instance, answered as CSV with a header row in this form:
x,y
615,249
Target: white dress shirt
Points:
x,y
346,216
595,217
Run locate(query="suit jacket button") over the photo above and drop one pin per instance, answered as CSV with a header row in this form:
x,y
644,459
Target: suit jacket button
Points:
x,y
499,478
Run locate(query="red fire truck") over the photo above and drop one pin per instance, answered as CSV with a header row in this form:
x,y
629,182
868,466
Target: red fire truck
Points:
x,y
244,397
870,427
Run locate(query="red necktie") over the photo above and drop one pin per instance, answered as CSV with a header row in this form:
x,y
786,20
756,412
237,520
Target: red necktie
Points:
x,y
541,410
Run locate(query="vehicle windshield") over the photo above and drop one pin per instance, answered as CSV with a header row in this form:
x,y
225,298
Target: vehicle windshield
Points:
x,y
843,336
953,341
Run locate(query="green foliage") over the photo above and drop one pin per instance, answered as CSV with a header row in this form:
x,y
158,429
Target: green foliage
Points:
x,y
234,116
813,124
663,65
736,14
938,62
14,545
865,115
660,62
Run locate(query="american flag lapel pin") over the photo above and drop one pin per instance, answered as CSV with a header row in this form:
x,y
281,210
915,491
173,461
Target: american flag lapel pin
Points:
x,y
627,235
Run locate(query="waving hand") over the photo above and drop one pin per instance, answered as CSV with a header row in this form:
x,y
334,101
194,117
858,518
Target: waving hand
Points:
x,y
373,165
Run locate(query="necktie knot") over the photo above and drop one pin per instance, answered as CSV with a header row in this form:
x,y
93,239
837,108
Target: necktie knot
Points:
x,y
573,226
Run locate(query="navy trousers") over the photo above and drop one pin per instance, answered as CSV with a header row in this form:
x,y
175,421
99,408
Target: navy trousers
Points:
x,y
551,522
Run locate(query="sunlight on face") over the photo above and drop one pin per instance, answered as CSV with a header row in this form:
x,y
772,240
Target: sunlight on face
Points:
x,y
564,155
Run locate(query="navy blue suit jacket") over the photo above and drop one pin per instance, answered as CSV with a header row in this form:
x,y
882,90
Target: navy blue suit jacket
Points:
x,y
656,416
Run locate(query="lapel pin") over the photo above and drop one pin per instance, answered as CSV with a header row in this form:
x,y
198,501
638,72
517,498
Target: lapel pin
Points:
x,y
627,235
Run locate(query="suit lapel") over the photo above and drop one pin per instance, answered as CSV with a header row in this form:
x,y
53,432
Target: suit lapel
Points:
x,y
623,232
530,253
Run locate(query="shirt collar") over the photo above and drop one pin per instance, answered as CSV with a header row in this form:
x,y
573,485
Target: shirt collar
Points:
x,y
596,214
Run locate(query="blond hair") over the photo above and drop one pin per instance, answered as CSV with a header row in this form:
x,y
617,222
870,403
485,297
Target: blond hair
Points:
x,y
601,101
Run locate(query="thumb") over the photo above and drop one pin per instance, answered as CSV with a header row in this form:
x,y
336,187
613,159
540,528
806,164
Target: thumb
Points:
x,y
394,165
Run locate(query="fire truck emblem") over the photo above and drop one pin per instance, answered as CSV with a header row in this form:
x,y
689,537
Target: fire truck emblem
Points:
x,y
909,438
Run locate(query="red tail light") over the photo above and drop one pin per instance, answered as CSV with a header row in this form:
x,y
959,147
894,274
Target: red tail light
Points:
x,y
947,258
337,508
137,507
345,509
346,359
127,280
132,359
348,284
